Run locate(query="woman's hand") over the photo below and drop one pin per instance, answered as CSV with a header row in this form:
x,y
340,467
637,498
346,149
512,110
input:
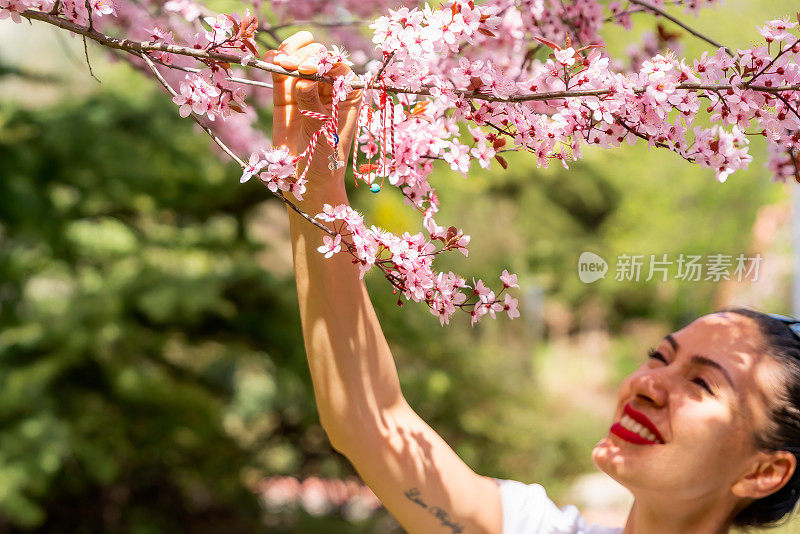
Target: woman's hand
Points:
x,y
291,94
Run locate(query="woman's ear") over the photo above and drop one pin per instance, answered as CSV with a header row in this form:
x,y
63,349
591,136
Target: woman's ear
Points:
x,y
770,473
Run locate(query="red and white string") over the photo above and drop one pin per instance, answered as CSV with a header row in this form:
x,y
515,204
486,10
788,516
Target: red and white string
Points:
x,y
383,101
329,128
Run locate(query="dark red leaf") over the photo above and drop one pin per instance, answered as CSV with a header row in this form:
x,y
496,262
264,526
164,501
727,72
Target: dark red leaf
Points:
x,y
452,232
251,48
551,44
235,24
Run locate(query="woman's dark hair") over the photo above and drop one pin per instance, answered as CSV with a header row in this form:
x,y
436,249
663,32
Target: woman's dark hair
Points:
x,y
782,433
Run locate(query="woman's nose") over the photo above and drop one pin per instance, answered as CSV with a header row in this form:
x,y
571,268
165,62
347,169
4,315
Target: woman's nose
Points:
x,y
652,386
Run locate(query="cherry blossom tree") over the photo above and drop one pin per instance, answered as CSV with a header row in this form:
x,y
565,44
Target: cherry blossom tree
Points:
x,y
530,75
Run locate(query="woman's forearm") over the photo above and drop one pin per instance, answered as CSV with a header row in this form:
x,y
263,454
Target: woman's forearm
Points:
x,y
352,369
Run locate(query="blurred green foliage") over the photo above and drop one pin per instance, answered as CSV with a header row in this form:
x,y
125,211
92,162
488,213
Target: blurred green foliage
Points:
x,y
150,370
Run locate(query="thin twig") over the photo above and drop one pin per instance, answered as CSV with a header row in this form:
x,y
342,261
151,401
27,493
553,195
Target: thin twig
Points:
x,y
771,63
85,47
235,79
383,68
89,63
788,105
610,18
91,21
689,29
648,138
225,148
172,91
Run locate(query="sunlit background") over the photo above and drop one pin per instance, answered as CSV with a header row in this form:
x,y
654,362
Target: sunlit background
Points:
x,y
152,373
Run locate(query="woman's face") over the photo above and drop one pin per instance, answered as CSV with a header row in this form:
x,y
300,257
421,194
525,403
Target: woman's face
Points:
x,y
685,420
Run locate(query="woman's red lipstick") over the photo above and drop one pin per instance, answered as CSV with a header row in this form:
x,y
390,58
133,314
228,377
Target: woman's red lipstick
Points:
x,y
632,437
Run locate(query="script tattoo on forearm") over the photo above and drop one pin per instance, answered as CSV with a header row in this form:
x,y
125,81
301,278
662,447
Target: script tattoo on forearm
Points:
x,y
415,495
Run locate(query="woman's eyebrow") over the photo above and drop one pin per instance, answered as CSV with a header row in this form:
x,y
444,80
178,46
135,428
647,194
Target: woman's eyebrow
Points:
x,y
672,342
703,360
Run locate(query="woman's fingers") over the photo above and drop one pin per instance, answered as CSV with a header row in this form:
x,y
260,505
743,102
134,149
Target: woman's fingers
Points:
x,y
304,56
294,43
306,94
308,66
339,69
286,48
269,56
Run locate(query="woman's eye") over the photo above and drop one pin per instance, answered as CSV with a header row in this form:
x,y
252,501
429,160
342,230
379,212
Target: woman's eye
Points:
x,y
655,355
703,384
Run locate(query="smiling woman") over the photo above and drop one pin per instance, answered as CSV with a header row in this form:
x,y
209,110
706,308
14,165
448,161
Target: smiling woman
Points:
x,y
720,395
705,433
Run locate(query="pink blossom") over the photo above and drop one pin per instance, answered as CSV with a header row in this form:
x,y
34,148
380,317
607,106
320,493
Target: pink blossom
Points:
x,y
343,85
566,56
220,28
184,99
481,291
478,310
12,8
509,280
776,30
331,245
436,231
254,165
101,7
510,306
458,158
279,162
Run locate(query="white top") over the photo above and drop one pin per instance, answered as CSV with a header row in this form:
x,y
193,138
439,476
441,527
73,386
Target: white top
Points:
x,y
528,510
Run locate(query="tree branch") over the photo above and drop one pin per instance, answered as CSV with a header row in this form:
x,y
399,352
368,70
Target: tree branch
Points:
x,y
141,47
235,79
689,29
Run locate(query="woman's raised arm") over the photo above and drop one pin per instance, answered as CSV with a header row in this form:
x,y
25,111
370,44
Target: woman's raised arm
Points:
x,y
410,468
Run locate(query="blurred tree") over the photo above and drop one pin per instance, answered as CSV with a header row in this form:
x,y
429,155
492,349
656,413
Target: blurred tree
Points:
x,y
150,370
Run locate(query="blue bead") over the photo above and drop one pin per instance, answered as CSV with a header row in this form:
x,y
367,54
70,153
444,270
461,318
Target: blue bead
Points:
x,y
375,187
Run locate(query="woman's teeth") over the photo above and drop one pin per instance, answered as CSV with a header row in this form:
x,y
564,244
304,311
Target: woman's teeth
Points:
x,y
629,424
